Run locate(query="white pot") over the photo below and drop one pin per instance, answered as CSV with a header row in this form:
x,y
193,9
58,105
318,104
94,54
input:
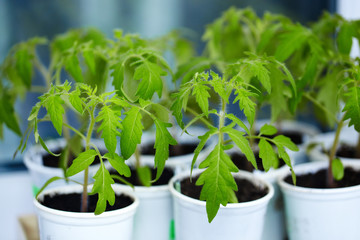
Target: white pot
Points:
x,y
154,214
235,221
183,162
308,131
56,224
347,136
321,213
40,173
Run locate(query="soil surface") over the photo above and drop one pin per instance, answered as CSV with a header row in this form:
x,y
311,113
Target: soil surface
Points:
x,y
346,151
54,162
72,202
167,174
247,191
178,150
318,179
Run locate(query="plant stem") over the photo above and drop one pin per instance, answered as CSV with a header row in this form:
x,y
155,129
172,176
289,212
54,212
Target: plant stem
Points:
x,y
194,113
222,121
84,202
330,177
137,157
317,103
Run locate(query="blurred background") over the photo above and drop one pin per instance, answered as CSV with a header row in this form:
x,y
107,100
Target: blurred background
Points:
x,y
23,19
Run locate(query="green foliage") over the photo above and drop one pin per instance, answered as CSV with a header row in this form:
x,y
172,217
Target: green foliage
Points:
x,y
337,169
218,184
104,114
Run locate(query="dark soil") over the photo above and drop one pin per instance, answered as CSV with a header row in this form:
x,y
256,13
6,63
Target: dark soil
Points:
x,y
167,174
318,179
247,191
178,150
72,202
242,163
346,151
295,136
54,162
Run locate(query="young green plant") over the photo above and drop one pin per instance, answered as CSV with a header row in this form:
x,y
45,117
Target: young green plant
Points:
x,y
218,184
104,114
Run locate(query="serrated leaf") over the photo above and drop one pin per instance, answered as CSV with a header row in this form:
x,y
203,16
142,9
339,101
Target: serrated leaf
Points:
x,y
56,111
291,40
268,130
110,123
34,111
267,154
337,169
162,141
76,102
202,97
149,74
84,160
246,104
131,133
285,142
72,65
161,112
352,108
218,183
118,163
102,186
238,122
203,140
258,69
284,156
24,66
242,143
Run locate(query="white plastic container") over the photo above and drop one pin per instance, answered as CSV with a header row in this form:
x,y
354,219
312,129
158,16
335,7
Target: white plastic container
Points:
x,y
154,214
314,214
347,136
56,224
40,173
235,221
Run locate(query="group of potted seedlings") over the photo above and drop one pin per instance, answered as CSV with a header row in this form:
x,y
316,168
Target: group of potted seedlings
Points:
x,y
156,138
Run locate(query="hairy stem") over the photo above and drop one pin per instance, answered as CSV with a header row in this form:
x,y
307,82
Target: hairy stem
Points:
x,y
330,177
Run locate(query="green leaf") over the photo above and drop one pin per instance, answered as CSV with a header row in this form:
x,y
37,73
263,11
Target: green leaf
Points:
x,y
149,74
84,160
131,133
291,40
284,155
51,180
110,123
56,111
72,65
161,112
281,140
24,66
34,111
144,174
238,122
45,147
242,143
118,163
162,141
268,130
344,38
352,108
203,140
337,169
258,69
102,186
76,102
277,99
218,183
90,60
7,115
267,154
202,97
246,104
